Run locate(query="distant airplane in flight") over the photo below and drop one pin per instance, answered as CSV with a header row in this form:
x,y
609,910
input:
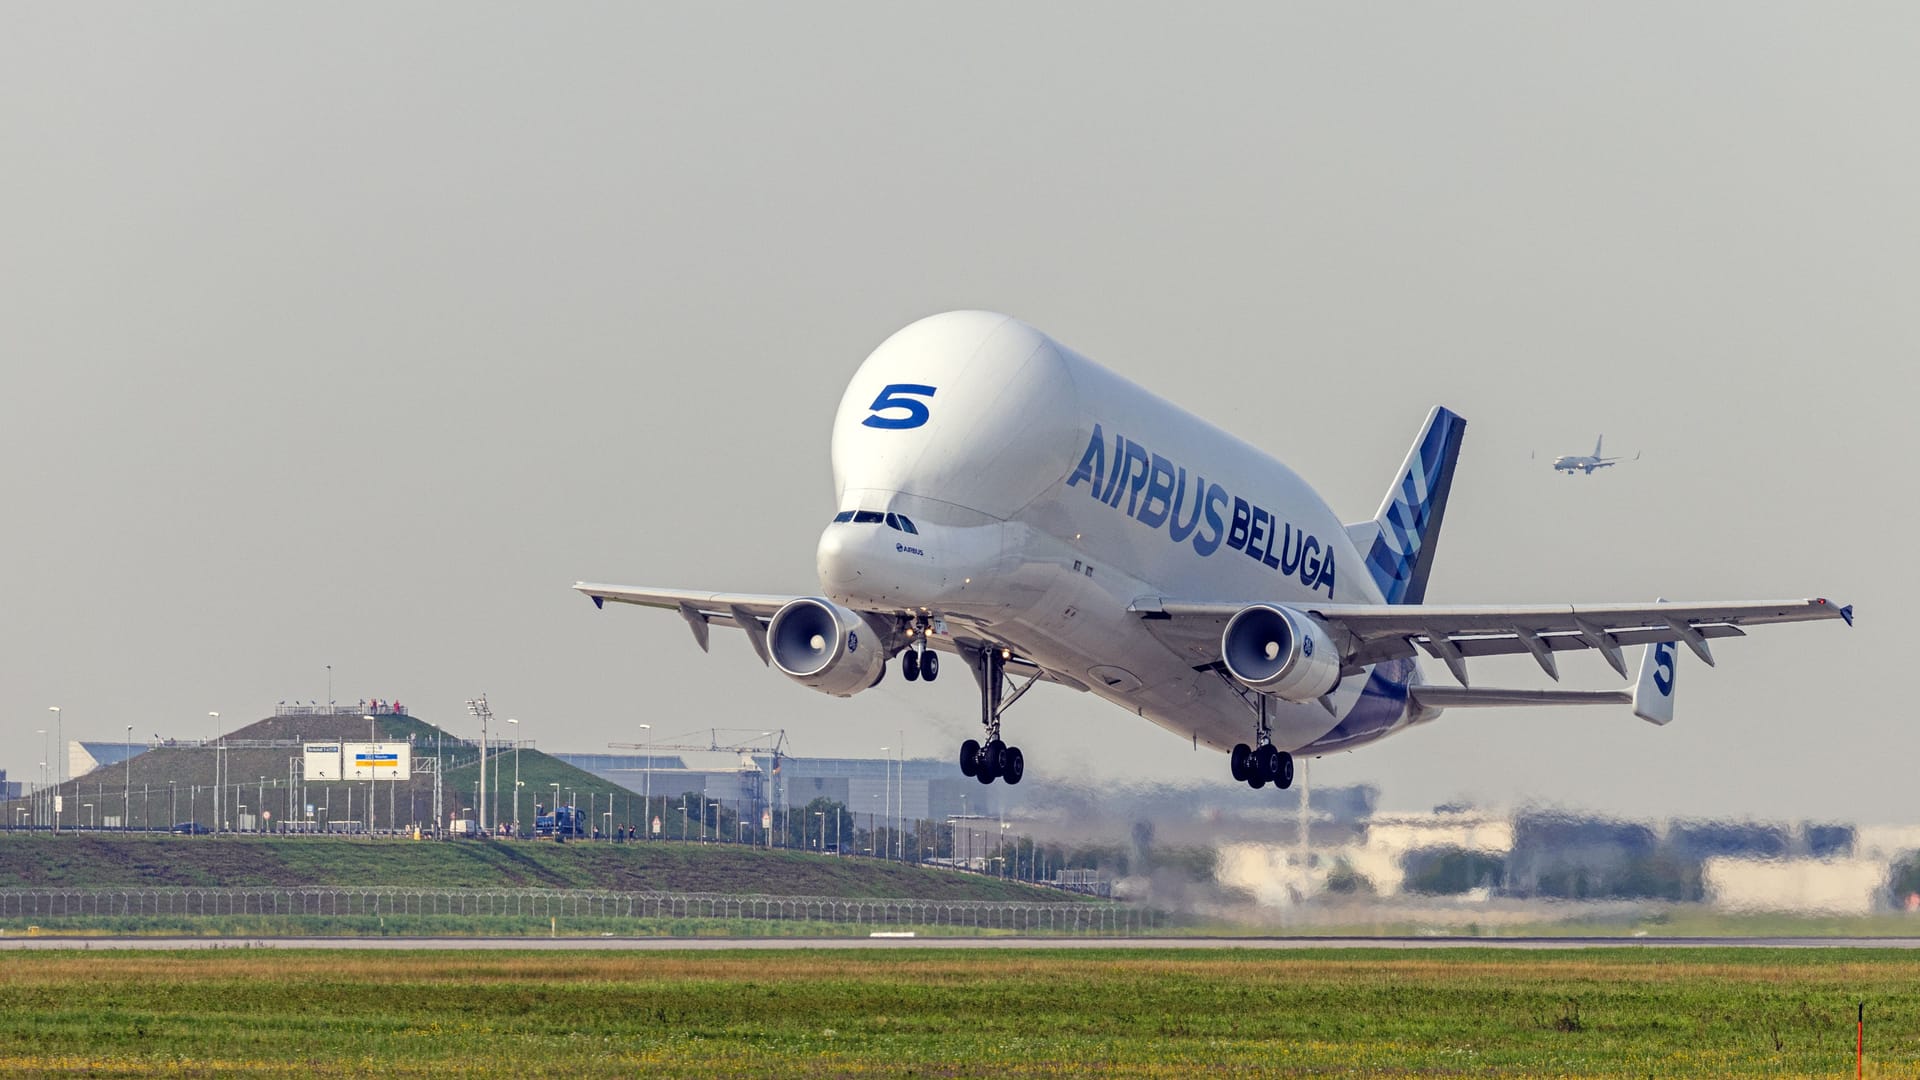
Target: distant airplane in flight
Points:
x,y
1586,463
1006,503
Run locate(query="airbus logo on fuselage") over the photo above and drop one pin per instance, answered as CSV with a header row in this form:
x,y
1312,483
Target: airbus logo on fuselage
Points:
x,y
1158,495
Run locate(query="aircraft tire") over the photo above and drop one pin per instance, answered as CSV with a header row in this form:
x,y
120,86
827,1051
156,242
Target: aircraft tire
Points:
x,y
929,665
1256,782
909,665
1266,764
969,757
993,758
1237,761
1284,779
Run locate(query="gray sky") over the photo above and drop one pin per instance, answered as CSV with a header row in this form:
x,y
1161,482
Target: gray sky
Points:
x,y
354,336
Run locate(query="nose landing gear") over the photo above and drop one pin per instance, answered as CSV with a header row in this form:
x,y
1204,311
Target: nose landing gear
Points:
x,y
918,661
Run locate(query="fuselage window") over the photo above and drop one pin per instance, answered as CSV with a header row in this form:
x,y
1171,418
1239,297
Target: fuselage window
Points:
x,y
868,517
843,516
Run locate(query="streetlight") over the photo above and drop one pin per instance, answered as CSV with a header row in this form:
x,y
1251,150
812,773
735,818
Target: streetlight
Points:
x,y
217,780
887,803
370,738
823,830
646,819
59,769
715,806
126,793
556,807
173,805
516,778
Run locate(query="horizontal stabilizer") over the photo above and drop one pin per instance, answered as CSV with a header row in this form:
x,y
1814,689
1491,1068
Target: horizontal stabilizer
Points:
x,y
1461,697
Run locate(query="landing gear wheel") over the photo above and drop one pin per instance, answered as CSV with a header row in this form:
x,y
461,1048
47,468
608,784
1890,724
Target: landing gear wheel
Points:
x,y
1266,766
910,665
969,757
1284,778
929,665
1256,782
1013,765
993,758
1237,761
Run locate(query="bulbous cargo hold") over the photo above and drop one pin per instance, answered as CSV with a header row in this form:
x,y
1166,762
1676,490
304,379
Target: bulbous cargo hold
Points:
x,y
1280,651
830,648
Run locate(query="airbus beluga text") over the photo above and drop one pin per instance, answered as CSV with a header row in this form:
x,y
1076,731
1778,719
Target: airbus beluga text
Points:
x,y
1008,502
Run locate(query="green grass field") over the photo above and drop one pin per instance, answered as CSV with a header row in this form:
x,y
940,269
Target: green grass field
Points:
x,y
1588,1013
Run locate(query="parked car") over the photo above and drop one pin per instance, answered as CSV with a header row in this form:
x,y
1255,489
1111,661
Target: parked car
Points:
x,y
192,828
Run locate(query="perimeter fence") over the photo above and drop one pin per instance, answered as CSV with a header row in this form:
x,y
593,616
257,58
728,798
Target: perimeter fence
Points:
x,y
1068,917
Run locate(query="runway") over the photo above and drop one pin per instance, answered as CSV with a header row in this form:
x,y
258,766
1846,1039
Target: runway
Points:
x,y
1145,944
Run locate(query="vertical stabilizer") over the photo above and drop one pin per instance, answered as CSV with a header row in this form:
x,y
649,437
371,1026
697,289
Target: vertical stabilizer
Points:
x,y
1401,538
1597,443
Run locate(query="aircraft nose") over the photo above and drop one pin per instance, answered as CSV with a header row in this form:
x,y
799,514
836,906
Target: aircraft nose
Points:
x,y
837,559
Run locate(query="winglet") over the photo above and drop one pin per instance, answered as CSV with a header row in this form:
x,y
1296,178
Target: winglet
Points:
x,y
1846,612
1653,694
599,603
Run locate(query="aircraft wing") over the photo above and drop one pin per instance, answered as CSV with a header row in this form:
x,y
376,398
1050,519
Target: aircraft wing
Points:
x,y
748,611
1370,633
751,611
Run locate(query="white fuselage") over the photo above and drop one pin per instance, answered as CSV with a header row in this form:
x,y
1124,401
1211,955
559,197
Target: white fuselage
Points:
x,y
1049,494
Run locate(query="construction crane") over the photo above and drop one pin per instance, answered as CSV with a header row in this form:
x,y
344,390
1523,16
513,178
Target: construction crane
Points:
x,y
768,742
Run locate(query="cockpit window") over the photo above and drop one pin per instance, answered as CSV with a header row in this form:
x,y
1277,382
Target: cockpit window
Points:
x,y
868,517
843,516
893,523
907,524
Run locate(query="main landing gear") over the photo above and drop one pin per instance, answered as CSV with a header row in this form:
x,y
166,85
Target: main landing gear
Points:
x,y
993,759
1263,763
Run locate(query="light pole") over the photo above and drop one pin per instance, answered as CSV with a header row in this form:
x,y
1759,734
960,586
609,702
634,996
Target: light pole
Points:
x,y
89,807
481,711
823,830
217,780
46,754
173,805
59,766
126,792
646,819
887,762
516,778
715,831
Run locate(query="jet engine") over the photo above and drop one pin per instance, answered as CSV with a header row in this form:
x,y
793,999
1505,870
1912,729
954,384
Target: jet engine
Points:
x,y
820,644
1281,651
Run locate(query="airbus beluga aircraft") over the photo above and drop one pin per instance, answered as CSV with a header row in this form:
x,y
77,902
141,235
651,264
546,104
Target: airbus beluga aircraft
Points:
x,y
1006,501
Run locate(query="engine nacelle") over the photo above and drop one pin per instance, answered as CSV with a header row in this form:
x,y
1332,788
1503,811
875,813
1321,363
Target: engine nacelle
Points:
x,y
1280,651
820,644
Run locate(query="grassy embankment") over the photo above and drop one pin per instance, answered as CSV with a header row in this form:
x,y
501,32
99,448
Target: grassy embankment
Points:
x,y
107,861
1589,1013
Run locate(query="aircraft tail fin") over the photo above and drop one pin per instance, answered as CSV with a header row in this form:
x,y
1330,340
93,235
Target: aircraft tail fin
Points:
x,y
1597,442
1400,540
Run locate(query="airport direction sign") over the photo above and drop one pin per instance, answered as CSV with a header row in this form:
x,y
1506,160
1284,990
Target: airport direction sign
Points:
x,y
321,761
378,761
